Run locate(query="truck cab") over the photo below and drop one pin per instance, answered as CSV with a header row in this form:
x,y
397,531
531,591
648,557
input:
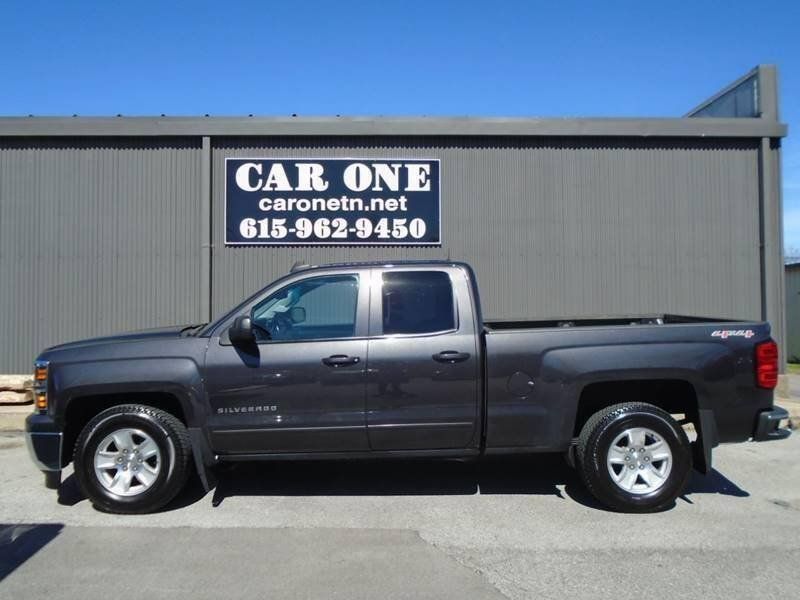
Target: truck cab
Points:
x,y
348,359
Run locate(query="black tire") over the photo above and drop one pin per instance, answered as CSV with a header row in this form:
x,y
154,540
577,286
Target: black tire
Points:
x,y
169,435
594,443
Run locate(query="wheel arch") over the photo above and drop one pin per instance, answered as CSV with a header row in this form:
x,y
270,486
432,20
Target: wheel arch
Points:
x,y
675,395
80,409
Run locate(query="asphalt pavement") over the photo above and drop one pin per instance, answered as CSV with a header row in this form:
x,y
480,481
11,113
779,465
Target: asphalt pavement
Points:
x,y
521,528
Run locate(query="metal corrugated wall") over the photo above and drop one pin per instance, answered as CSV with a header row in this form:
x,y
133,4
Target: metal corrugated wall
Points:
x,y
793,313
96,236
554,227
774,301
107,234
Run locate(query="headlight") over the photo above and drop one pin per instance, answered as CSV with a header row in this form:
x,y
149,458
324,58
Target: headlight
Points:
x,y
40,373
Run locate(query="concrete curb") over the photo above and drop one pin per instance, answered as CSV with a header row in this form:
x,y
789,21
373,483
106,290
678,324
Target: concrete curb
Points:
x,y
12,418
792,405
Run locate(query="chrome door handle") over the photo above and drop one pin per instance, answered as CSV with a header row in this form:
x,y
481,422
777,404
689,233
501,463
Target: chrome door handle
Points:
x,y
450,356
340,360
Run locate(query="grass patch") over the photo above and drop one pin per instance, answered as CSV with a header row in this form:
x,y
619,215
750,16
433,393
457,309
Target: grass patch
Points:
x,y
793,368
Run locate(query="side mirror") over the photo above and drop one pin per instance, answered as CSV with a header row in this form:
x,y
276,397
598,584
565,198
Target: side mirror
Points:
x,y
297,314
241,332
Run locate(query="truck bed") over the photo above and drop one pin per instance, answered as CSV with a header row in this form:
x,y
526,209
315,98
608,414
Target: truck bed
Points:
x,y
536,371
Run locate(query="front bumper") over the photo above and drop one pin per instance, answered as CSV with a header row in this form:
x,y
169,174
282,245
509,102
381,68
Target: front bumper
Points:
x,y
44,440
768,425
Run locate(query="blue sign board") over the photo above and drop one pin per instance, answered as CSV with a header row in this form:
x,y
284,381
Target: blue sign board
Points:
x,y
304,201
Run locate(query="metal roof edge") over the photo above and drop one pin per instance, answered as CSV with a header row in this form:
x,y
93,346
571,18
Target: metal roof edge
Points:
x,y
388,126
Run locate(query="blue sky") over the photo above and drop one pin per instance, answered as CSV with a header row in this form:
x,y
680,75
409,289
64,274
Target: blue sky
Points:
x,y
372,58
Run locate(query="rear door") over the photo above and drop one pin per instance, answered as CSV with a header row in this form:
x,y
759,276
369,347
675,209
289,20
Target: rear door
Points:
x,y
423,362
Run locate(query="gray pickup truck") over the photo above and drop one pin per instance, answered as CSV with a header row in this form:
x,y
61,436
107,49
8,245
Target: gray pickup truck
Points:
x,y
379,360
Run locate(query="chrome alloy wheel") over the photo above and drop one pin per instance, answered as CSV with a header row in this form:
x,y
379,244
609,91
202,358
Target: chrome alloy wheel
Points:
x,y
127,462
639,460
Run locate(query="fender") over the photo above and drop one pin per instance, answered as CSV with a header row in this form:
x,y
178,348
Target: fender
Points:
x,y
179,377
568,372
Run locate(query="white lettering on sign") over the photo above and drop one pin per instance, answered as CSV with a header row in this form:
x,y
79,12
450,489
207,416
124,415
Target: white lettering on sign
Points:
x,y
309,177
277,179
389,175
243,175
418,178
357,177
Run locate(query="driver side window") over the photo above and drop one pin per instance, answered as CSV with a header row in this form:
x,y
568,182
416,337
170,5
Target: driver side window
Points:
x,y
311,309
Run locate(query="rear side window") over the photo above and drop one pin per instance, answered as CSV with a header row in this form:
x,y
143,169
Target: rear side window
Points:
x,y
417,302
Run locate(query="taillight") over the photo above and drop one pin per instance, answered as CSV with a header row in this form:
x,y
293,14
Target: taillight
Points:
x,y
767,365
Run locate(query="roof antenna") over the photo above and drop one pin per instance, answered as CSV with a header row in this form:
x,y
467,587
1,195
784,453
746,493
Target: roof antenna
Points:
x,y
448,254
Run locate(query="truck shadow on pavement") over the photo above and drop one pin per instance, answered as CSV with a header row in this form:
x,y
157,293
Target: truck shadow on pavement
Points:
x,y
20,541
538,475
534,475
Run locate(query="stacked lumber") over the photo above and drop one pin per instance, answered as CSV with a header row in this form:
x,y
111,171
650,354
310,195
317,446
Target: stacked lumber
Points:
x,y
16,389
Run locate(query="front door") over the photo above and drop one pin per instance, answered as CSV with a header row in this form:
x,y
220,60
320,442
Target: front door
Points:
x,y
422,390
301,387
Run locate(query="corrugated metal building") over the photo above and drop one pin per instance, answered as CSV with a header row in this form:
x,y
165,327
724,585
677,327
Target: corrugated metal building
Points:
x,y
109,224
793,310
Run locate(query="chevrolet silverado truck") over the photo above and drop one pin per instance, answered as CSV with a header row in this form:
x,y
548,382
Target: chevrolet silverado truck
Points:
x,y
385,360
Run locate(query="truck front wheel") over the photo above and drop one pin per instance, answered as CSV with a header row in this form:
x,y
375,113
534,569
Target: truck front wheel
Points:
x,y
634,457
132,459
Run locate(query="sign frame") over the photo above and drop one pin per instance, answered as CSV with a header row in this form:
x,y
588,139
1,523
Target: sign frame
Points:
x,y
390,242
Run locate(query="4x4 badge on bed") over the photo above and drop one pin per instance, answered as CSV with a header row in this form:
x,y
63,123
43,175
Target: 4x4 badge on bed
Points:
x,y
726,333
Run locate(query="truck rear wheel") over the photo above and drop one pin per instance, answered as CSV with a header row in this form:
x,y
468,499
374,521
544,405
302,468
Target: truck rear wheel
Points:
x,y
132,459
634,457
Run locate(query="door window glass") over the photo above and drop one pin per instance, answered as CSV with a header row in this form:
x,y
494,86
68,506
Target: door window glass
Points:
x,y
417,302
315,308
